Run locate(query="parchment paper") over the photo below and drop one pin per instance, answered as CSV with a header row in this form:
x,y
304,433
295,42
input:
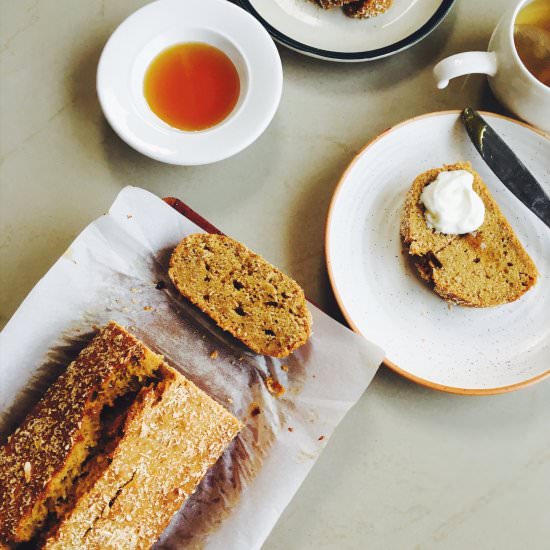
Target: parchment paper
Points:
x,y
117,269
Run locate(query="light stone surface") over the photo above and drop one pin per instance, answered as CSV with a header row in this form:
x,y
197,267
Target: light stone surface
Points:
x,y
409,468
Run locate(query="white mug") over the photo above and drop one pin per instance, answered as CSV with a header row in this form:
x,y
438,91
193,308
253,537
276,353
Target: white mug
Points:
x,y
510,80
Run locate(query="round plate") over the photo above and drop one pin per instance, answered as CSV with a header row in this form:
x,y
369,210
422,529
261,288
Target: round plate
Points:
x,y
158,25
450,348
328,34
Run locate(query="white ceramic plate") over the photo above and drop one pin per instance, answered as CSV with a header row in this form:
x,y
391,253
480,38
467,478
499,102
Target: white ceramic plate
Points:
x,y
328,34
158,25
456,349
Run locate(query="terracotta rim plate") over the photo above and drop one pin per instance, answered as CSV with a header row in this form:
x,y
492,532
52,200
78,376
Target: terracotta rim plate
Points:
x,y
304,27
450,348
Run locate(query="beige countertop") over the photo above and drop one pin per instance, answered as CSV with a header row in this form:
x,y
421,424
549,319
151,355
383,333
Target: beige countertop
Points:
x,y
409,467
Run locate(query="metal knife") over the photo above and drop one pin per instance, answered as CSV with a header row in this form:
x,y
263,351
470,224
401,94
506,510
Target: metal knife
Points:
x,y
506,165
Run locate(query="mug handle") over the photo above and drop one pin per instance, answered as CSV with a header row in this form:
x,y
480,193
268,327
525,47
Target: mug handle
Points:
x,y
461,64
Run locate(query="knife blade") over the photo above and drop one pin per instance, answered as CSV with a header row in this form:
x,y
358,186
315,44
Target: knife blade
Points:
x,y
506,165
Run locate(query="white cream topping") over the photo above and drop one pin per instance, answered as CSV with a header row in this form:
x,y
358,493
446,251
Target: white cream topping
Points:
x,y
452,205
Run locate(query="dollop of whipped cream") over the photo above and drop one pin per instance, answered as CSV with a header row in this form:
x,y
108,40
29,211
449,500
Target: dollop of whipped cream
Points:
x,y
452,205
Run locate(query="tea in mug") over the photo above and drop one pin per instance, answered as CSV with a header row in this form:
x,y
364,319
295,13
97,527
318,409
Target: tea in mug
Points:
x,y
532,39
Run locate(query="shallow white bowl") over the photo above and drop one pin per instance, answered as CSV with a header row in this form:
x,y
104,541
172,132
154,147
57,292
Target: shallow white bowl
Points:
x,y
161,24
450,348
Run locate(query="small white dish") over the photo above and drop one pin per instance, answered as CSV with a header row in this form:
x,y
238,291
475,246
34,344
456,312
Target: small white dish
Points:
x,y
164,23
450,348
303,26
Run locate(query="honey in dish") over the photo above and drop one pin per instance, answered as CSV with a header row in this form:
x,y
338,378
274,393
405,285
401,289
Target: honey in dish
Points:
x,y
532,38
192,86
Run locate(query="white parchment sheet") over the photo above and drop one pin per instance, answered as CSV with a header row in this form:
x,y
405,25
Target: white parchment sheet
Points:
x,y
117,269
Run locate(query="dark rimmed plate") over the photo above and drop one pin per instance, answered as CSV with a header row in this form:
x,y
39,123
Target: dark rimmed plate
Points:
x,y
328,34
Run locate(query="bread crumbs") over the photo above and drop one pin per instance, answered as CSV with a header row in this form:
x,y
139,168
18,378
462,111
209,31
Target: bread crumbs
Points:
x,y
274,387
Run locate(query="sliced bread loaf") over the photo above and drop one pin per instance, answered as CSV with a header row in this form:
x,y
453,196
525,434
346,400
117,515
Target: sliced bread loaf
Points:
x,y
487,267
243,293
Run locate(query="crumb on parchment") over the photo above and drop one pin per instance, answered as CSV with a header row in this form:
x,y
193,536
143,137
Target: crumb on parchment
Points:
x,y
274,387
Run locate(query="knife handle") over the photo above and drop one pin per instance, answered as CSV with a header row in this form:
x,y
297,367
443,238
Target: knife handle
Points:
x,y
461,64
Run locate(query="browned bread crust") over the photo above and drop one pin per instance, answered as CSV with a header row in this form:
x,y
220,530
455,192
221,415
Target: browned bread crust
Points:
x,y
363,9
242,293
329,4
43,456
105,467
172,435
485,268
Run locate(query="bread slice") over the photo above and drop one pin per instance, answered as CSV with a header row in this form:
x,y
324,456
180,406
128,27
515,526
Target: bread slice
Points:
x,y
44,455
364,9
485,268
172,435
110,452
242,293
330,4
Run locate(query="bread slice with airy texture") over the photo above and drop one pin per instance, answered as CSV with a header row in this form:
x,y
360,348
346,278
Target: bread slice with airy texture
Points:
x,y
364,9
487,267
243,293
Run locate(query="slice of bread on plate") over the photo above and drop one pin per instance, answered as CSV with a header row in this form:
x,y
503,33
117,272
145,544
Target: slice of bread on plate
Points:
x,y
485,268
330,4
172,434
243,293
364,9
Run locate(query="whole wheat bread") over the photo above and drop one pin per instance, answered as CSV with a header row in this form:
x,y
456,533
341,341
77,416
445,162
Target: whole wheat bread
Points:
x,y
364,9
487,267
330,4
96,466
243,293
